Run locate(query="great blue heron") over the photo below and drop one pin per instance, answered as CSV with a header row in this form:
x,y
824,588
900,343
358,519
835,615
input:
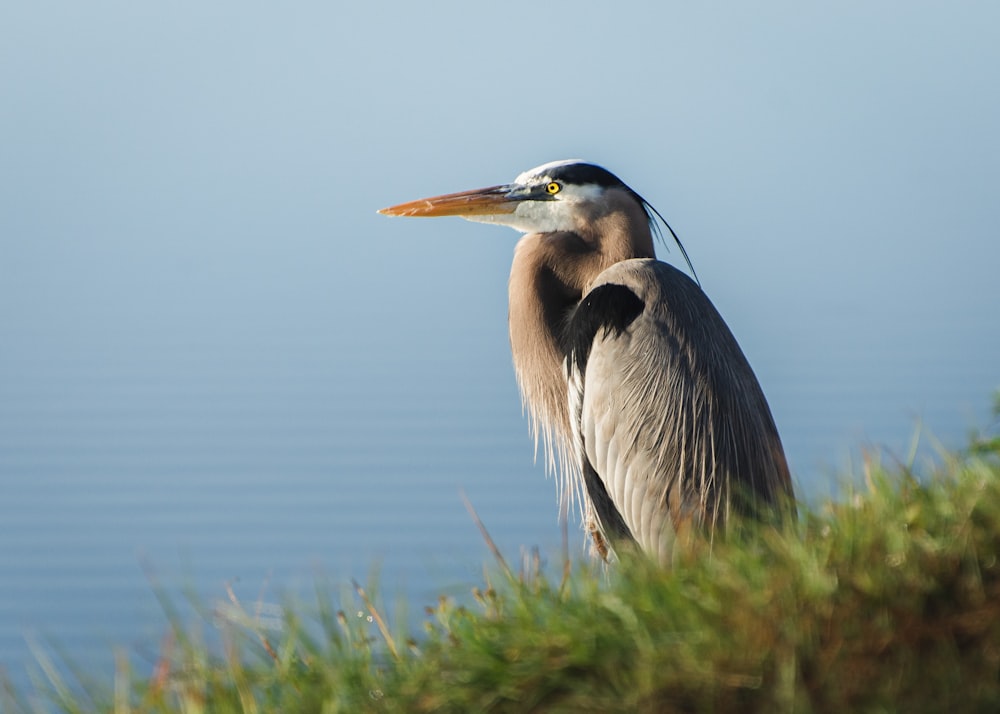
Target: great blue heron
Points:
x,y
628,372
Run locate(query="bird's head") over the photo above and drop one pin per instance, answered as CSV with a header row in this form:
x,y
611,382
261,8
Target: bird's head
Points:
x,y
552,197
557,196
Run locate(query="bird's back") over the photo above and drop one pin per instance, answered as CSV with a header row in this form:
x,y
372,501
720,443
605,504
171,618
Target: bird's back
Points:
x,y
670,426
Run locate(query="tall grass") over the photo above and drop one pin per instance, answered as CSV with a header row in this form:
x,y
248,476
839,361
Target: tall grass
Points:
x,y
887,600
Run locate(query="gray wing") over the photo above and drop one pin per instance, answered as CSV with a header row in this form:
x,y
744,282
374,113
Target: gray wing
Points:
x,y
670,426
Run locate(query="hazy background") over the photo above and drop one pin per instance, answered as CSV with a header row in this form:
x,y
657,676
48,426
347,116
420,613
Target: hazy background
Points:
x,y
217,362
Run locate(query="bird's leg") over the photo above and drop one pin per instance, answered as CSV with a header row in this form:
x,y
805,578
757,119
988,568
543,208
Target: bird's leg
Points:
x,y
598,542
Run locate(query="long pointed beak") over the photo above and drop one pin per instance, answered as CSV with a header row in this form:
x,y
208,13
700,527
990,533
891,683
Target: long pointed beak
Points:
x,y
478,202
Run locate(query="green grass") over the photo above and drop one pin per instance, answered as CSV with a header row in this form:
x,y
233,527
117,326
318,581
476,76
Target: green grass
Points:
x,y
886,600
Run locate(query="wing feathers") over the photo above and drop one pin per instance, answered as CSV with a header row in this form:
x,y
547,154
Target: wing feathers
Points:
x,y
604,313
664,408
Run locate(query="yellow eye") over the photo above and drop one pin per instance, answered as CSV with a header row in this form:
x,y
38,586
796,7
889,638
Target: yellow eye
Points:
x,y
553,188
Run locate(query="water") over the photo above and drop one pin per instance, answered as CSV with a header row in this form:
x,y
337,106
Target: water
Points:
x,y
219,366
277,454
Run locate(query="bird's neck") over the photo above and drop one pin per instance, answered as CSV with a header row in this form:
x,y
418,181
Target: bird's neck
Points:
x,y
549,276
620,235
539,299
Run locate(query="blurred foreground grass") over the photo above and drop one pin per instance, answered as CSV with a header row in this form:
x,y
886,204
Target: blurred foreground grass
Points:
x,y
888,600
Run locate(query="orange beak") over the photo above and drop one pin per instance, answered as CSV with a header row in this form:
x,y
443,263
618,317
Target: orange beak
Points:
x,y
479,202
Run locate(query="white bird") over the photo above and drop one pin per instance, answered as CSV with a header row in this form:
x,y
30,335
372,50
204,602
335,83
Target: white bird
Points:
x,y
629,374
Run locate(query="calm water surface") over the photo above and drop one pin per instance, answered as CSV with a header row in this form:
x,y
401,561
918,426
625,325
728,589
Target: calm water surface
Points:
x,y
271,460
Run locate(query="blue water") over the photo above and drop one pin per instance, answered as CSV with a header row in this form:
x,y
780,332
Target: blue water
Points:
x,y
277,455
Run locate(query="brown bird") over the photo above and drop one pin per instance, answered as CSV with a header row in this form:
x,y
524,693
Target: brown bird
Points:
x,y
629,374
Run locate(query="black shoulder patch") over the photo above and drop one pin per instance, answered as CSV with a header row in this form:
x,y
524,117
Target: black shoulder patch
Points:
x,y
582,174
607,307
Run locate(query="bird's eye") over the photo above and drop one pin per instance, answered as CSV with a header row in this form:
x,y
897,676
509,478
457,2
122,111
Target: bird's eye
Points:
x,y
553,188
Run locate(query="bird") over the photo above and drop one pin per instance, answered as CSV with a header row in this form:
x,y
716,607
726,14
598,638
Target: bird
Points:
x,y
648,410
